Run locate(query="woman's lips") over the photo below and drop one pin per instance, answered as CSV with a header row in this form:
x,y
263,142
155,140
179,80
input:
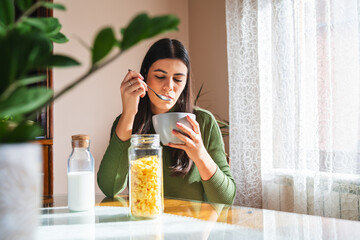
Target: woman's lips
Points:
x,y
169,97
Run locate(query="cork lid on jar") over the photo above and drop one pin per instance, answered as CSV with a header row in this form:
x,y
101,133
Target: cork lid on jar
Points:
x,y
80,140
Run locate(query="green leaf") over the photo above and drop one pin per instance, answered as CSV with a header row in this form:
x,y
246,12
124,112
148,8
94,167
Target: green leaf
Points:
x,y
26,131
24,4
122,31
21,83
59,38
7,12
50,26
163,24
4,130
53,5
143,27
25,100
225,125
23,28
104,42
135,31
2,30
20,53
198,94
14,118
59,61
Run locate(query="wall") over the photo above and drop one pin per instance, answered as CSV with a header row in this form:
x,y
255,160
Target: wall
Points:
x,y
92,107
207,37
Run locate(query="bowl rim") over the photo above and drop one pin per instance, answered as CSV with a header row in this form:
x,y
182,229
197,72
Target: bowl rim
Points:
x,y
173,113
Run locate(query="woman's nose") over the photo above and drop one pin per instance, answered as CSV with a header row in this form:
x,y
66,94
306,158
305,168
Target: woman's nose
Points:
x,y
168,84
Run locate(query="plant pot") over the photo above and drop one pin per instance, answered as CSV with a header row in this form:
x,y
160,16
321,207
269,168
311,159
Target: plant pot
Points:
x,y
20,189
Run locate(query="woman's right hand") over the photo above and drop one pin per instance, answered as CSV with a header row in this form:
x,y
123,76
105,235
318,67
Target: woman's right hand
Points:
x,y
132,88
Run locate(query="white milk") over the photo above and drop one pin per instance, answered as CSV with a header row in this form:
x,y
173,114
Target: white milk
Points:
x,y
81,191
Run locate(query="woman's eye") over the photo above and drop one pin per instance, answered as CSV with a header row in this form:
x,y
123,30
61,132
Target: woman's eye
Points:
x,y
159,77
178,80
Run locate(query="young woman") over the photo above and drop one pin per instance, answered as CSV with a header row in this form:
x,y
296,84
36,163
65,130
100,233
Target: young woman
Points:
x,y
195,170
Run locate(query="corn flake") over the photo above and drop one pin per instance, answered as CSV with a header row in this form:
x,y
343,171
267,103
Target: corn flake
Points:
x,y
146,187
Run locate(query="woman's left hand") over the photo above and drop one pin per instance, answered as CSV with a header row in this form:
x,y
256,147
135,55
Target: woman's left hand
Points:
x,y
193,146
195,149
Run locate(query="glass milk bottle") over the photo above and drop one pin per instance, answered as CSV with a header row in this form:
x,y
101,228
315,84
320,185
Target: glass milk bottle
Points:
x,y
145,174
81,186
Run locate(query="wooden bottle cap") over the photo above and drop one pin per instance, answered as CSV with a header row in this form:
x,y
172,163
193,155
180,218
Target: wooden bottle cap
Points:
x,y
80,137
80,140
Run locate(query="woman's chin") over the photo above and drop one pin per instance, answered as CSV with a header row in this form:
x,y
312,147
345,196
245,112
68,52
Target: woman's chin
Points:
x,y
163,108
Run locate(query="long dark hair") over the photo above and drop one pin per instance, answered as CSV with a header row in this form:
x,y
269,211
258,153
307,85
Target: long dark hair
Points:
x,y
173,49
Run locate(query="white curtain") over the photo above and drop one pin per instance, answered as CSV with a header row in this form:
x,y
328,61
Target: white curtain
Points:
x,y
295,104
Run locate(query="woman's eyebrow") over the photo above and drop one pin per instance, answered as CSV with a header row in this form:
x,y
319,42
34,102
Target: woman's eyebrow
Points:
x,y
160,70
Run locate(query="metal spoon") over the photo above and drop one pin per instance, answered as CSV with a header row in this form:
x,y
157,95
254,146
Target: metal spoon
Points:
x,y
162,97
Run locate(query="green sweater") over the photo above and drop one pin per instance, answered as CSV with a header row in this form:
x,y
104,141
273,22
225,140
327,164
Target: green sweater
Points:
x,y
112,176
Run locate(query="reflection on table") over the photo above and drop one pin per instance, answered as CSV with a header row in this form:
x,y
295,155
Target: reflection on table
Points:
x,y
184,219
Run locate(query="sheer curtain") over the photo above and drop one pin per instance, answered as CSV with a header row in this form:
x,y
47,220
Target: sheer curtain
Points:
x,y
294,91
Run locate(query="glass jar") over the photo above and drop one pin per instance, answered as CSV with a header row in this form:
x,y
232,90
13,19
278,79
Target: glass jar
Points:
x,y
145,174
81,185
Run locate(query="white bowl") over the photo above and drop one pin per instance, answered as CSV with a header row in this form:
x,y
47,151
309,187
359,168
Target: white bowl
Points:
x,y
164,124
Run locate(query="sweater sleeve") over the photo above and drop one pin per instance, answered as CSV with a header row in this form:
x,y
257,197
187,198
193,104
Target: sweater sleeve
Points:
x,y
220,188
113,172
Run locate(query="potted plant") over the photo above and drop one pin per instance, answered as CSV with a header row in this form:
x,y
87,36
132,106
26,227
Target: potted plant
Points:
x,y
26,45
